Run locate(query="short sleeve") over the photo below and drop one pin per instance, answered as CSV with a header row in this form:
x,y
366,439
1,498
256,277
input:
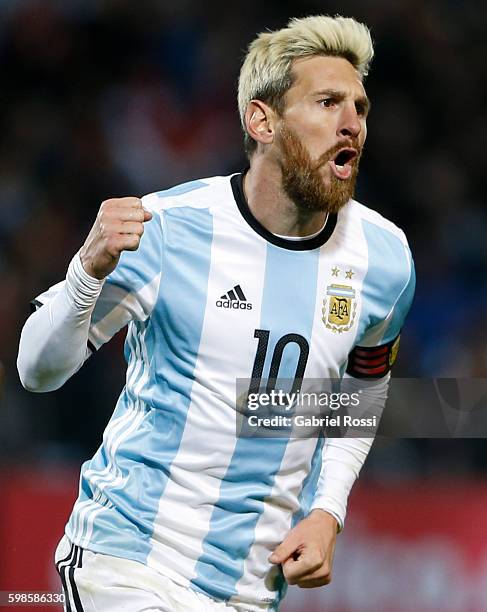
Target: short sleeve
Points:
x,y
387,297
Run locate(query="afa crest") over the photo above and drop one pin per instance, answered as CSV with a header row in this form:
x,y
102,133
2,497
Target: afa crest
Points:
x,y
339,308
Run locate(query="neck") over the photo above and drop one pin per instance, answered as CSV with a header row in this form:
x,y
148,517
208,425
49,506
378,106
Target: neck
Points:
x,y
271,206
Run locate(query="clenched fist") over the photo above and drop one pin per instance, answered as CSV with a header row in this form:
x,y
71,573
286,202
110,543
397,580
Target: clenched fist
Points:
x,y
118,227
306,553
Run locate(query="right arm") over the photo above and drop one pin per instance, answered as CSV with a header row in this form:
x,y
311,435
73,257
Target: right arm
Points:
x,y
55,339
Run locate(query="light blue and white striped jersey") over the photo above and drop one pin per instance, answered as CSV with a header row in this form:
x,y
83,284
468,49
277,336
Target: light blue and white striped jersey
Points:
x,y
171,485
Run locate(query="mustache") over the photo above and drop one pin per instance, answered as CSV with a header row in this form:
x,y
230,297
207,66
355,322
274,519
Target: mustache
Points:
x,y
330,154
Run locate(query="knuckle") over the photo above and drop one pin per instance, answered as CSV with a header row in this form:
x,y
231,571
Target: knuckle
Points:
x,y
103,218
290,577
316,565
133,242
326,569
106,232
131,201
106,204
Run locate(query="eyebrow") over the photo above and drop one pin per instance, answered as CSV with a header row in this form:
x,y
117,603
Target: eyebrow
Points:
x,y
340,95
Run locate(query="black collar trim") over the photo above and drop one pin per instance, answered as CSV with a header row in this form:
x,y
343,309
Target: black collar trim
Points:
x,y
293,245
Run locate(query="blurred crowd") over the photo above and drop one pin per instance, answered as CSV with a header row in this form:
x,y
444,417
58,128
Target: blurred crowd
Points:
x,y
104,98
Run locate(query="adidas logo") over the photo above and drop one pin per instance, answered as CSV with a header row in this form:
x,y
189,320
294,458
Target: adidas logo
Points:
x,y
234,299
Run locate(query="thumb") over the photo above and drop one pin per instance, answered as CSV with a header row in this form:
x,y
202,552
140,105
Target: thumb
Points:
x,y
287,547
147,215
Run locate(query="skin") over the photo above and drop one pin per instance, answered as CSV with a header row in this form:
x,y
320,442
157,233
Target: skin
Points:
x,y
118,227
322,122
306,553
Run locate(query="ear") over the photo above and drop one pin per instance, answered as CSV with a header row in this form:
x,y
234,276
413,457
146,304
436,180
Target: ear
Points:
x,y
260,122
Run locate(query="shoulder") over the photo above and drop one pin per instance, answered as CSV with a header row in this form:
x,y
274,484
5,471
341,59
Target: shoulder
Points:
x,y
199,193
390,262
389,280
374,225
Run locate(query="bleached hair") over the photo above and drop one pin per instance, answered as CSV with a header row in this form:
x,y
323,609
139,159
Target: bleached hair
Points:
x,y
266,71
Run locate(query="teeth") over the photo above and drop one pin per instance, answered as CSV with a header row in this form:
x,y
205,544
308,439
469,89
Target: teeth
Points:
x,y
340,167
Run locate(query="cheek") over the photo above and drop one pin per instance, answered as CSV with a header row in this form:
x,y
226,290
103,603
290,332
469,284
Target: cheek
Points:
x,y
311,124
318,140
363,133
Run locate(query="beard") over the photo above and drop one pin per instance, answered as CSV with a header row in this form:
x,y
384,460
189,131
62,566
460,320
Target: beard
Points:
x,y
301,178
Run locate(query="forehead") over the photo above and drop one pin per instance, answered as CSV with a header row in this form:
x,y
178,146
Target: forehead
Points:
x,y
319,73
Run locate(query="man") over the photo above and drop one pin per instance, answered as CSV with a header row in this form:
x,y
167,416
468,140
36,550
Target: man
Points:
x,y
276,271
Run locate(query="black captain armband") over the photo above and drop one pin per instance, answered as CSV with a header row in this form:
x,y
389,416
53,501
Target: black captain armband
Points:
x,y
373,361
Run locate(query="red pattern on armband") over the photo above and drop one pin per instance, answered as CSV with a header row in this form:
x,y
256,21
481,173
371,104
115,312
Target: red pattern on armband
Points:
x,y
373,361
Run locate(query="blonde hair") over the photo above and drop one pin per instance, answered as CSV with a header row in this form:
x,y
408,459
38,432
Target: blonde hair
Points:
x,y
266,71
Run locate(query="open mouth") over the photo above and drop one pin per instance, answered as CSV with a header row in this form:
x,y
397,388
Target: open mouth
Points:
x,y
341,164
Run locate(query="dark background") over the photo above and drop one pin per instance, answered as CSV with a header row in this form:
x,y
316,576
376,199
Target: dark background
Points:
x,y
110,98
104,99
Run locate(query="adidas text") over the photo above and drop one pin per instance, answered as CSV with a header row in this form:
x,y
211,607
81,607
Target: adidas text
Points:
x,y
234,304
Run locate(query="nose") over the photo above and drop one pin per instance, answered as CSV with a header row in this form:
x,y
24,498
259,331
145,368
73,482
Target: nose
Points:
x,y
350,124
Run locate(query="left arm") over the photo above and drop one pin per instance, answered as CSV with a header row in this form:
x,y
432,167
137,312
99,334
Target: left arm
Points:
x,y
306,554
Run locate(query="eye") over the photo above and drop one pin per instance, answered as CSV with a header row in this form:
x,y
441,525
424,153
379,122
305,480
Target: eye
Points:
x,y
327,102
361,108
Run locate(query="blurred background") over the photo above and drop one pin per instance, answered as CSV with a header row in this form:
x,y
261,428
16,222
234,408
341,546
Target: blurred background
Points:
x,y
105,98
